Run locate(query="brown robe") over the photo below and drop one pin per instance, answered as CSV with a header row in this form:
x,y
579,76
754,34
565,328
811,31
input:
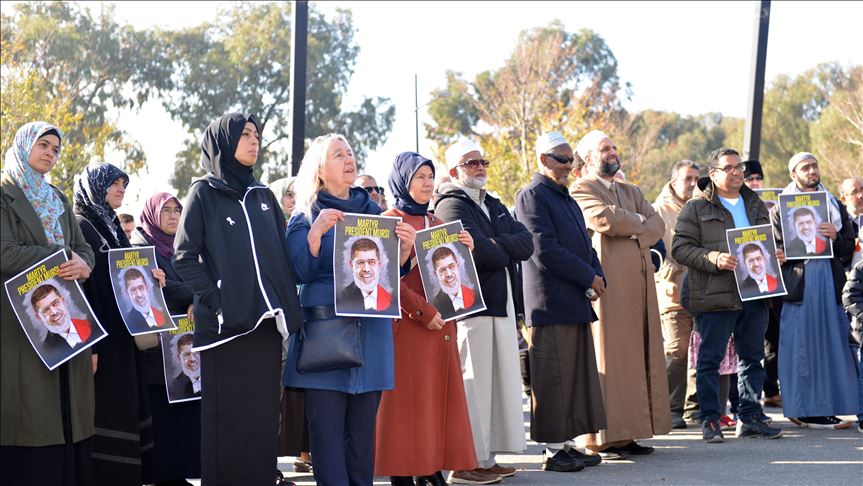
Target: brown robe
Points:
x,y
628,334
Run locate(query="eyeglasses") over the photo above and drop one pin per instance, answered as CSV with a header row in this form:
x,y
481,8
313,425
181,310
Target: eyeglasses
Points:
x,y
370,189
728,169
475,163
754,178
561,159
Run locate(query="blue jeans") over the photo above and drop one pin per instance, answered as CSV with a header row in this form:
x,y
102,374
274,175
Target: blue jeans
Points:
x,y
748,326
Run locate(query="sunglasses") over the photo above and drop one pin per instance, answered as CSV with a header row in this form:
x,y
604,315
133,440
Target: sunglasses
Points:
x,y
754,178
370,189
475,163
561,159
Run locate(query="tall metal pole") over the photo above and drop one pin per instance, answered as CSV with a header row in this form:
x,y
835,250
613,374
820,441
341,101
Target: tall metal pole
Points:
x,y
752,134
417,111
299,43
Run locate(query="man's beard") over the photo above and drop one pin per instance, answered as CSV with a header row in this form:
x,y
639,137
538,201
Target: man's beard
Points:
x,y
145,309
60,328
366,287
758,277
193,374
812,185
474,182
451,290
609,168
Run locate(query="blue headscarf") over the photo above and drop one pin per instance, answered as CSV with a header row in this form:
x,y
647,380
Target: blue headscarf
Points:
x,y
405,166
91,201
40,194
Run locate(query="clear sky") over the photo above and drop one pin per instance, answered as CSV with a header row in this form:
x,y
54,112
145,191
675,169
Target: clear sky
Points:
x,y
688,57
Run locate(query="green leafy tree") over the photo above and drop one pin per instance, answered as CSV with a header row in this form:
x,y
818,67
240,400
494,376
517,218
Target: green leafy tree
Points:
x,y
242,63
65,66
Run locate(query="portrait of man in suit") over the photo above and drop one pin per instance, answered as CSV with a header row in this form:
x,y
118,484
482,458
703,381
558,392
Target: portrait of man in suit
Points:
x,y
454,297
186,384
758,280
143,315
52,311
807,242
365,293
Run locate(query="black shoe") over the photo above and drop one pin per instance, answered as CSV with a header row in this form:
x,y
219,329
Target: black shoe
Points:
x,y
634,449
678,423
711,432
562,462
435,479
587,459
757,429
829,422
402,481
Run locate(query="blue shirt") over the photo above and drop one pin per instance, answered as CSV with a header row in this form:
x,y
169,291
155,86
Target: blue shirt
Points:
x,y
738,211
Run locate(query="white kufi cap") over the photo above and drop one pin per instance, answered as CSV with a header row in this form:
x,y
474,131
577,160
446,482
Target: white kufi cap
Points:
x,y
548,141
589,142
800,157
458,149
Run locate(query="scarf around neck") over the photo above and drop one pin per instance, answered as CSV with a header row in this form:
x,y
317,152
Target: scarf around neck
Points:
x,y
835,217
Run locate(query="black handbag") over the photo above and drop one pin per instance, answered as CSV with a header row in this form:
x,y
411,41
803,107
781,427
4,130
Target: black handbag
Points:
x,y
328,342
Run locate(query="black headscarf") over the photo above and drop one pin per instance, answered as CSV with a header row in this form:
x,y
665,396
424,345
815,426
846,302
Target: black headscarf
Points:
x,y
218,146
91,201
405,165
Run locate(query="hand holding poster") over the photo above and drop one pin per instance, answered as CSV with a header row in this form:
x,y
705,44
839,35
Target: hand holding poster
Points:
x,y
53,312
182,365
769,196
448,272
757,274
801,214
366,266
139,296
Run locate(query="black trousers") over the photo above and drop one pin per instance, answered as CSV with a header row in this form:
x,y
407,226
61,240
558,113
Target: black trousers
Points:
x,y
771,349
240,409
342,436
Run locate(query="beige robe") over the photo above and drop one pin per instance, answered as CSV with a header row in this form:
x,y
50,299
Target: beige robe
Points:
x,y
628,334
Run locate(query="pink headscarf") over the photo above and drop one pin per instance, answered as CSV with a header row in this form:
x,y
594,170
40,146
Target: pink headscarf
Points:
x,y
150,216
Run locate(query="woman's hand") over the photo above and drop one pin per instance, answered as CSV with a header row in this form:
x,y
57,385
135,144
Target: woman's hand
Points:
x,y
95,360
326,219
466,239
191,314
437,323
407,235
159,275
74,268
780,255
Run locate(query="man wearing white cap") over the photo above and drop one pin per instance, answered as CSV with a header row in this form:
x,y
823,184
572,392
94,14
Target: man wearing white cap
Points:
x,y
564,276
488,341
628,335
816,385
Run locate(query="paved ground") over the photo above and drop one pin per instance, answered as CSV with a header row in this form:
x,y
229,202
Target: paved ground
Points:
x,y
801,456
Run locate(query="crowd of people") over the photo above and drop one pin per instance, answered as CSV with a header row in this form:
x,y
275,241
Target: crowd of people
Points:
x,y
628,314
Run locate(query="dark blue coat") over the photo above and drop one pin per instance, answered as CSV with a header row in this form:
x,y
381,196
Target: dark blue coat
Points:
x,y
564,263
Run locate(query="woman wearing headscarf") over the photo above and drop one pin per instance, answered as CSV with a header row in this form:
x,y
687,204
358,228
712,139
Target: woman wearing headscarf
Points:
x,y
341,404
46,420
124,435
423,424
231,251
177,426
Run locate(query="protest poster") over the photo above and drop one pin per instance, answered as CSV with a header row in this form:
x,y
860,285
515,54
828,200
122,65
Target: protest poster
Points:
x,y
182,365
769,196
53,312
366,266
758,274
801,214
139,296
448,272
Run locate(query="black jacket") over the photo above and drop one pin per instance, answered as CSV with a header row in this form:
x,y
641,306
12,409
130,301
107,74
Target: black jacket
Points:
x,y
499,243
852,299
232,252
793,270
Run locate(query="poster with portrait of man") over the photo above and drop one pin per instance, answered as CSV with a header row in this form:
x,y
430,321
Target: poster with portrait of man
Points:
x,y
182,365
53,312
758,275
366,266
448,272
769,196
139,296
801,214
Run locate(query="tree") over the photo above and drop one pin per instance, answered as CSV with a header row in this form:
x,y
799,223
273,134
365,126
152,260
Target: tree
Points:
x,y
242,63
837,135
63,66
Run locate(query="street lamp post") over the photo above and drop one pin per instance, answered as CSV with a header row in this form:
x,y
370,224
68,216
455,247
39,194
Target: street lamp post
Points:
x,y
417,109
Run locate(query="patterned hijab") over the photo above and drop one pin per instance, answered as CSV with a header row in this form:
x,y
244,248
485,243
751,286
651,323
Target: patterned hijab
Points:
x,y
40,194
91,201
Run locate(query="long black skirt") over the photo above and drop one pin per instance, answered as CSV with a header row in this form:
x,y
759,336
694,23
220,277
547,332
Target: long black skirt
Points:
x,y
566,398
177,434
240,409
294,427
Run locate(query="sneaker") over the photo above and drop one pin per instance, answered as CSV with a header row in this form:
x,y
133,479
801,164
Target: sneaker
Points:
x,y
502,471
475,476
757,429
711,432
830,422
727,423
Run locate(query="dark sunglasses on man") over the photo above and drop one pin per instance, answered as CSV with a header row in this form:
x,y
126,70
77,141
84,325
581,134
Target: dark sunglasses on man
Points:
x,y
561,159
754,177
370,189
475,163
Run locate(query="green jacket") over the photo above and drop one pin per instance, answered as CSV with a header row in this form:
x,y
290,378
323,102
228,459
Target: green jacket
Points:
x,y
699,238
30,414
